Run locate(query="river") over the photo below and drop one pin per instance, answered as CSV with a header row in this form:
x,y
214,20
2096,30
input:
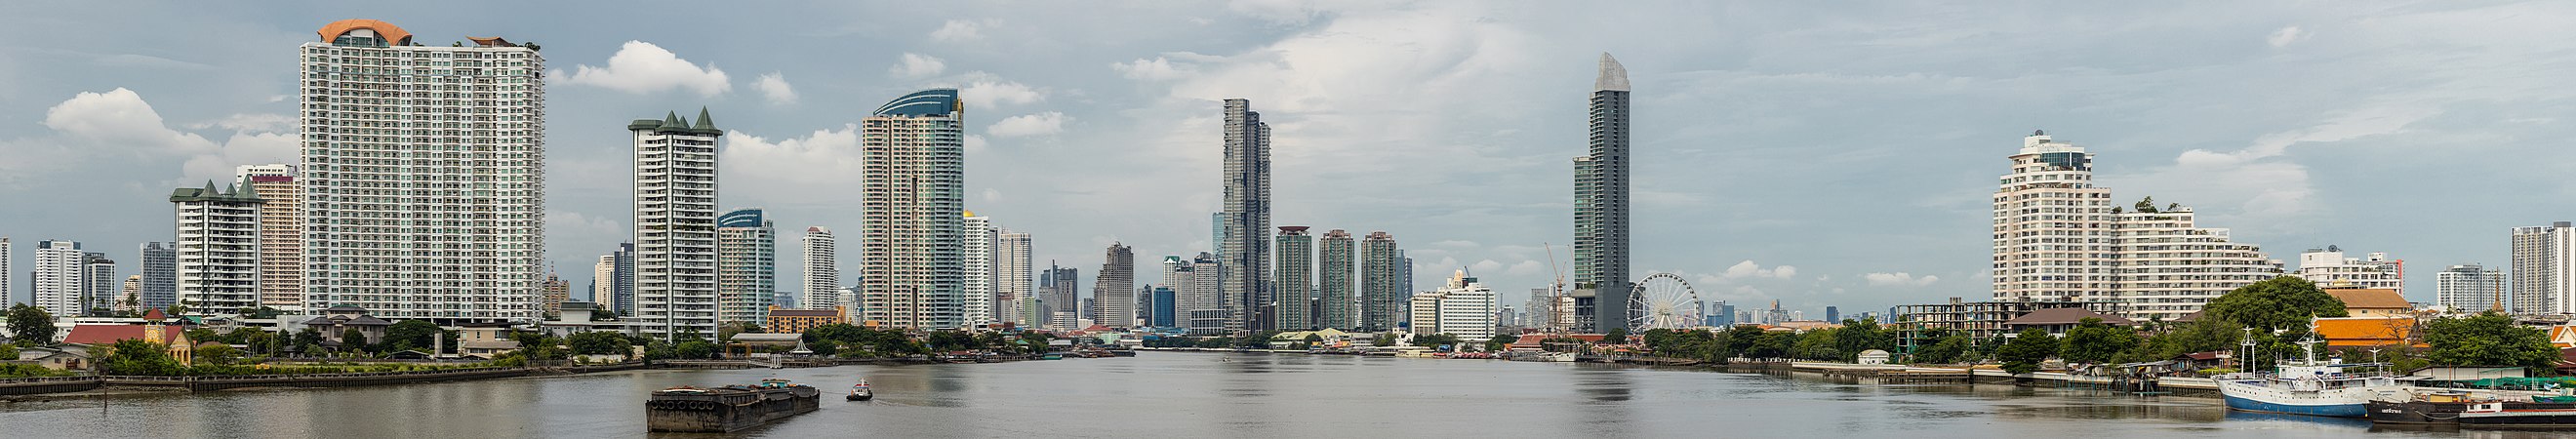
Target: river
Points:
x,y
1196,395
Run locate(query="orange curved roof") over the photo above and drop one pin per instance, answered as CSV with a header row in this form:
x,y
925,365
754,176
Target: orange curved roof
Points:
x,y
391,33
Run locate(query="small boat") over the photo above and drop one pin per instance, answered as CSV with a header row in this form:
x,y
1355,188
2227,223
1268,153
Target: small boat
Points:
x,y
861,392
1052,356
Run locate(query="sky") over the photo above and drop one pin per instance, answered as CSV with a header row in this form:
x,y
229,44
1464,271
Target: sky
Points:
x,y
1815,154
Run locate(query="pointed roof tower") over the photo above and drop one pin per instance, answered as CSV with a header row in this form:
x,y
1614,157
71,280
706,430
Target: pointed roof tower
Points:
x,y
672,122
1614,77
706,123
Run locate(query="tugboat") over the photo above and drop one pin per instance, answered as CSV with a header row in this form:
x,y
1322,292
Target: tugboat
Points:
x,y
726,409
860,392
2309,387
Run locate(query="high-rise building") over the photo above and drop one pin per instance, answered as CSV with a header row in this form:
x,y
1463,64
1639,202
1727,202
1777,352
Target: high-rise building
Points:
x,y
1833,315
2057,238
1061,296
603,282
440,216
98,282
2329,268
1336,287
1601,202
1116,287
977,301
555,291
612,281
1201,302
160,273
218,248
2544,269
281,234
678,262
1245,245
129,297
1383,287
1015,301
1293,286
746,266
822,269
56,283
1463,307
2472,288
1165,311
911,225
5,257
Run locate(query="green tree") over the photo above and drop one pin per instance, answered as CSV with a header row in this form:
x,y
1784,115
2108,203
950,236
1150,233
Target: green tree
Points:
x,y
411,334
9,351
945,341
2026,351
1615,336
218,355
1819,344
2147,205
202,335
2095,342
601,343
1500,342
1862,335
1435,340
2489,339
353,340
30,326
134,356
695,350
2279,303
1383,339
1950,349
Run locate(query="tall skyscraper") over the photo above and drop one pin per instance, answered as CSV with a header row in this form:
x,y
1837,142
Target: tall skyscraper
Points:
x,y
2544,269
160,271
603,282
1016,301
2329,268
5,269
1165,309
2057,238
1383,288
218,257
2472,288
1117,287
977,241
1601,201
1294,284
1335,286
56,283
281,235
678,265
613,280
99,282
1061,298
911,253
746,266
1245,245
441,217
822,269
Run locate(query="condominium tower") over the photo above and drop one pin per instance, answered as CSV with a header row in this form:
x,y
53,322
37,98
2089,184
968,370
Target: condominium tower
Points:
x,y
5,257
1383,286
676,259
1116,286
159,287
612,283
281,235
218,258
1601,201
56,278
1060,296
423,174
2544,269
1335,287
822,269
2472,288
1015,302
1294,284
746,266
1245,245
2057,238
2328,267
1462,307
977,240
910,249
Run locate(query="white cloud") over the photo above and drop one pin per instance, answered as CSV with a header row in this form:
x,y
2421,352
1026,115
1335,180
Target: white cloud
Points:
x,y
1748,269
640,67
1526,268
992,195
774,87
118,125
2258,184
956,31
791,168
975,144
1484,266
1157,69
1899,279
575,223
988,91
1040,124
2285,36
915,66
249,122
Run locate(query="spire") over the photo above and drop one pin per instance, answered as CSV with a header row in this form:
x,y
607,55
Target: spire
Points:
x,y
672,122
1614,77
705,122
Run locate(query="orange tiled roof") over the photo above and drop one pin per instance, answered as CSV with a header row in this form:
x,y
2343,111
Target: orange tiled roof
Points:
x,y
392,34
2364,331
2369,298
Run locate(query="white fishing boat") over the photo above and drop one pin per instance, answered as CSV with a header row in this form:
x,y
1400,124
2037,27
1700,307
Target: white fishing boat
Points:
x,y
2310,387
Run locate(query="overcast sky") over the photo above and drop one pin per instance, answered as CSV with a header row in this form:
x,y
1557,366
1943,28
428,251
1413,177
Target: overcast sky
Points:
x,y
1815,154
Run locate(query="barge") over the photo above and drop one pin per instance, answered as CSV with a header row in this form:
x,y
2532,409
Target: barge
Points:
x,y
729,408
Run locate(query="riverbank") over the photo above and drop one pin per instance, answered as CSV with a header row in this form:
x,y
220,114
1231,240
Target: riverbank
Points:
x,y
27,389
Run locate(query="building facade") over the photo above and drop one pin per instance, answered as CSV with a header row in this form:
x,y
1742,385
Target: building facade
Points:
x,y
98,282
1601,202
439,218
554,292
822,269
160,271
1164,307
977,247
2166,267
795,321
2544,269
1245,245
1013,296
2058,238
1383,286
1336,285
281,234
1293,284
1060,297
1462,307
218,257
746,266
1116,287
616,288
56,278
2472,288
2328,267
676,256
912,227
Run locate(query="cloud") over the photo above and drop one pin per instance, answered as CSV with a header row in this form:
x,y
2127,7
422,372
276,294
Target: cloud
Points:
x,y
988,91
1748,269
119,126
958,31
916,66
1039,124
1157,69
249,122
1902,279
575,223
2258,184
640,67
774,87
975,144
791,168
2285,36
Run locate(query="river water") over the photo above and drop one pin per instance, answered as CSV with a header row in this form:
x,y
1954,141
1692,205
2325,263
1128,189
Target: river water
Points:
x,y
1198,395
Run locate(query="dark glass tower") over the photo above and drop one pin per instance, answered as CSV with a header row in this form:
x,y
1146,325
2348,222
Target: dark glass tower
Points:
x,y
1601,203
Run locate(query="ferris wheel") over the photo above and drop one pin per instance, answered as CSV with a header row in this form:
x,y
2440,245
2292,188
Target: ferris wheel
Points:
x,y
1663,301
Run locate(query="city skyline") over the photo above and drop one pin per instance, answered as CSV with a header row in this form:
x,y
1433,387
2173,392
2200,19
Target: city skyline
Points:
x,y
1482,176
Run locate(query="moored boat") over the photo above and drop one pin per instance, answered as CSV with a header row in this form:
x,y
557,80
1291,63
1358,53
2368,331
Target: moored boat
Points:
x,y
2309,388
2455,408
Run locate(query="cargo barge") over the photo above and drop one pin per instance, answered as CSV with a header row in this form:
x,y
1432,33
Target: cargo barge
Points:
x,y
729,408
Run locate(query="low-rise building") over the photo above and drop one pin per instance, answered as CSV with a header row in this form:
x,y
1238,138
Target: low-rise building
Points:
x,y
2366,331
484,340
2058,320
172,338
1919,325
797,321
337,320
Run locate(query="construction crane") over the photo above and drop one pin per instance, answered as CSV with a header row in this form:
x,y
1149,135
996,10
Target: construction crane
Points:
x,y
1556,303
